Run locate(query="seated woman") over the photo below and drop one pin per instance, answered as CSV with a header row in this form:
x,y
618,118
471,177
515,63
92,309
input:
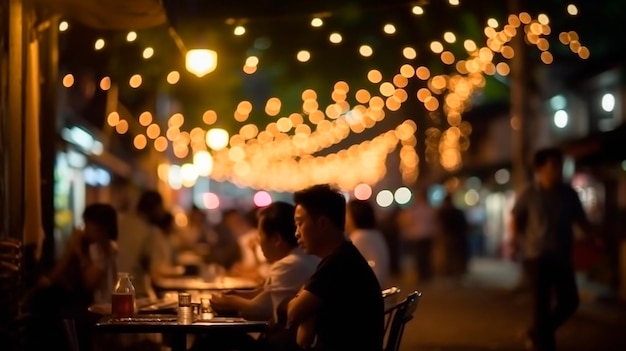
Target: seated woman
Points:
x,y
85,274
362,231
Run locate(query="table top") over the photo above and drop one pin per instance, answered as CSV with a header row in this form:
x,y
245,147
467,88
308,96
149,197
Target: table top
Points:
x,y
164,323
198,283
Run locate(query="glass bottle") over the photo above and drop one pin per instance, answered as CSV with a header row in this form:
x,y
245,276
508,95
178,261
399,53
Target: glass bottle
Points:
x,y
123,297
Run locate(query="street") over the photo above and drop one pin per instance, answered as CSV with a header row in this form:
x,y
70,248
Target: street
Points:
x,y
484,313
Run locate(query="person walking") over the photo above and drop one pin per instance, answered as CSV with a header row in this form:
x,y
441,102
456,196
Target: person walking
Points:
x,y
542,227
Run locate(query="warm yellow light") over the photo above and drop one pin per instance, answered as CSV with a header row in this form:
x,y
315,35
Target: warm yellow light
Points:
x,y
239,30
469,45
173,77
63,26
140,141
492,22
417,10
160,144
113,119
572,9
436,47
105,83
303,56
121,127
453,2
135,81
543,19
209,117
148,52
217,138
409,53
374,76
422,72
145,118
449,37
252,61
131,36
389,28
153,131
99,44
366,50
546,57
249,69
447,57
583,52
201,61
203,162
68,80
317,22
335,38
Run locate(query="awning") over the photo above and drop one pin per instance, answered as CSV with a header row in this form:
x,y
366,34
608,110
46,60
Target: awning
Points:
x,y
110,14
599,147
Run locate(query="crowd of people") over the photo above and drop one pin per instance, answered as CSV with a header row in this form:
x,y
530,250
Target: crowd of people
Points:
x,y
318,262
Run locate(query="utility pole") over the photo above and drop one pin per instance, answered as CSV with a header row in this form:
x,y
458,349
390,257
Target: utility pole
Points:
x,y
520,106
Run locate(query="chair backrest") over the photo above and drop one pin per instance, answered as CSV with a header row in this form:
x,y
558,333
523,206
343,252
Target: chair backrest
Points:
x,y
10,274
399,316
390,297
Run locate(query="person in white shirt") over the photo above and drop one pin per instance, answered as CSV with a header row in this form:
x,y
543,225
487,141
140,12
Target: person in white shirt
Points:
x,y
418,228
137,236
290,270
290,266
243,226
362,230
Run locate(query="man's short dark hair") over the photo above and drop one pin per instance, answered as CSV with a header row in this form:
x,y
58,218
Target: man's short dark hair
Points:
x,y
323,200
362,213
546,155
103,215
277,218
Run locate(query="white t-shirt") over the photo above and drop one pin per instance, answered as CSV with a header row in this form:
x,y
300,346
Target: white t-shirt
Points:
x,y
136,239
372,246
286,277
108,264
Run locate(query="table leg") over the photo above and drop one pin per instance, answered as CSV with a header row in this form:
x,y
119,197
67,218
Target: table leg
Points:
x,y
178,341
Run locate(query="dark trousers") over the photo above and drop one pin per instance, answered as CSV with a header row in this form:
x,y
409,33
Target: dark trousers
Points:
x,y
421,250
551,279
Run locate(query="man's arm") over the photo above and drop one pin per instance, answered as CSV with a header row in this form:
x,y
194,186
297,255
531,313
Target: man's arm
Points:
x,y
258,307
302,307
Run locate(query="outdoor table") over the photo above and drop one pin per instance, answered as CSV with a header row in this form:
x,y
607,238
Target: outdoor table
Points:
x,y
144,306
177,333
198,283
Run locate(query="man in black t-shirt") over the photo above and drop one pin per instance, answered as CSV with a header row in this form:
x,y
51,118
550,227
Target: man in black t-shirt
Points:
x,y
341,307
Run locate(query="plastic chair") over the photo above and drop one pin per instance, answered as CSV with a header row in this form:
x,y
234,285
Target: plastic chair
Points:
x,y
69,326
391,297
399,316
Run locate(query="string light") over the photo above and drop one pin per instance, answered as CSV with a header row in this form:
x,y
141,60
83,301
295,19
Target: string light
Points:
x,y
454,89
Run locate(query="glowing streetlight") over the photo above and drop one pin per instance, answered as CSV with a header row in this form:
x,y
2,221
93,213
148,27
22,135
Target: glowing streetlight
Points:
x,y
203,162
201,61
217,138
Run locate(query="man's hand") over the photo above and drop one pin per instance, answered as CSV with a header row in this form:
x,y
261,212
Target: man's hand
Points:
x,y
223,303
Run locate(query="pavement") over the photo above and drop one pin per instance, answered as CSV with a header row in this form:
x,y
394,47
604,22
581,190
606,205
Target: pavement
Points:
x,y
485,312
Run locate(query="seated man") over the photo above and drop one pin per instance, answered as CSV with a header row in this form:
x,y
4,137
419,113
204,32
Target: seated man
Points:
x,y
290,269
341,306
